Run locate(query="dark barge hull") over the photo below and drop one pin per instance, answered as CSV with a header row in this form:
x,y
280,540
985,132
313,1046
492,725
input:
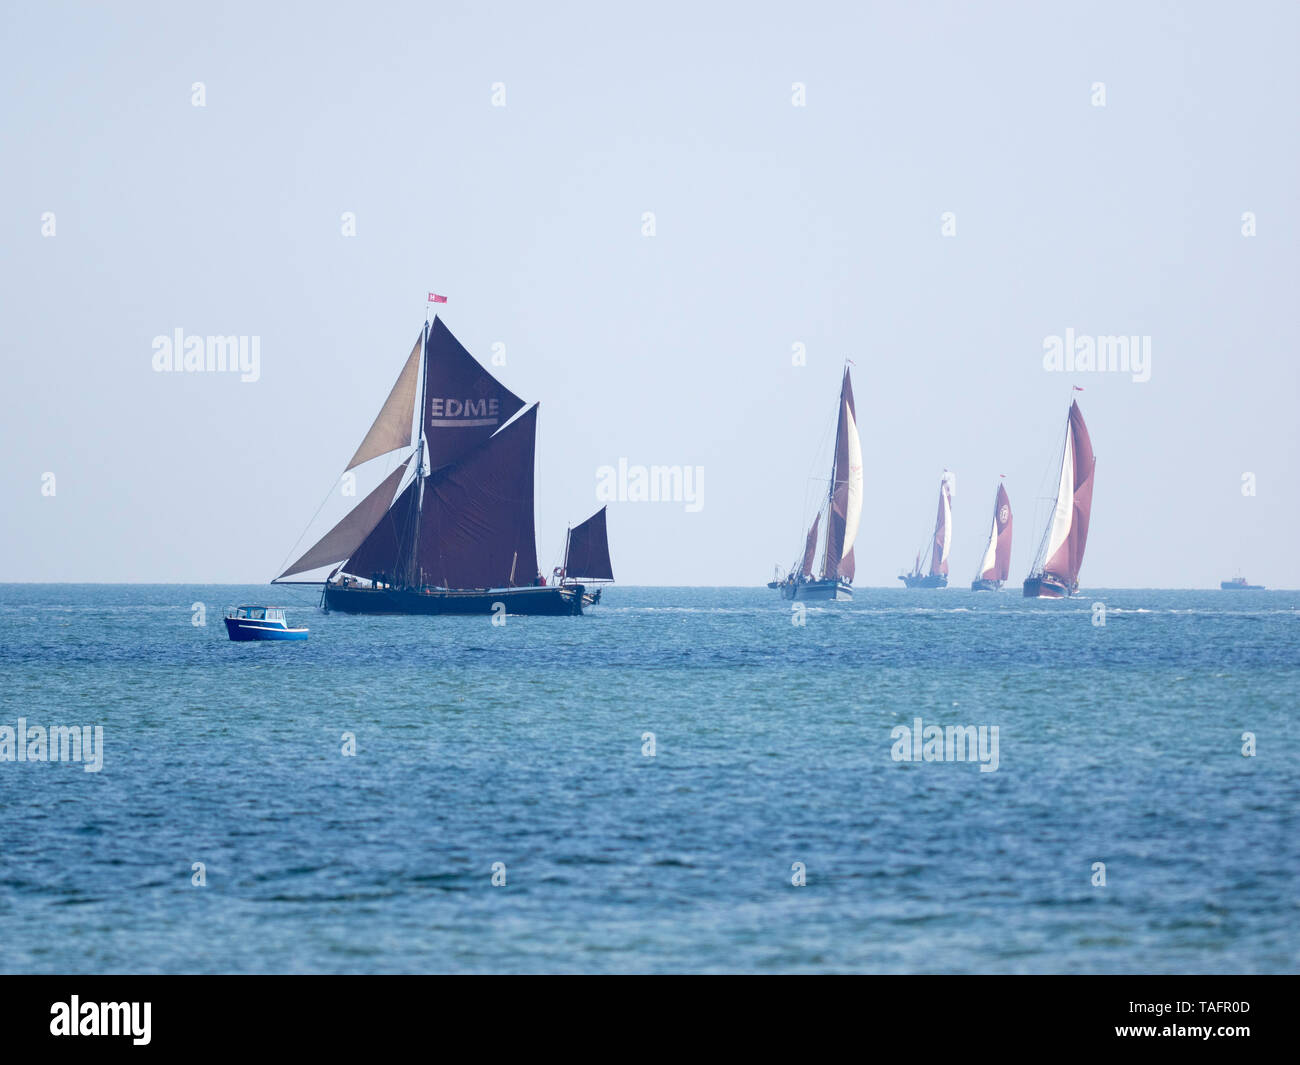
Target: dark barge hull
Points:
x,y
1048,587
547,602
981,585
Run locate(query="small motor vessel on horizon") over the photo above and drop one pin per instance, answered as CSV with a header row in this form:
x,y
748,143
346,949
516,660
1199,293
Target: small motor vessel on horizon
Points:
x,y
843,510
996,563
1238,584
1055,573
937,577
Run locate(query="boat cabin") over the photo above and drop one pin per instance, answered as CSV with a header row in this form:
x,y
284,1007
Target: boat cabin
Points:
x,y
256,613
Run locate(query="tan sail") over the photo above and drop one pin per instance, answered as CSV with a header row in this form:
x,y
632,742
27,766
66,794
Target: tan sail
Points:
x,y
392,428
346,536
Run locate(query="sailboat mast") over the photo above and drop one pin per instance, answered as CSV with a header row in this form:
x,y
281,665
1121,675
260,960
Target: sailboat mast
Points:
x,y
830,503
412,575
830,517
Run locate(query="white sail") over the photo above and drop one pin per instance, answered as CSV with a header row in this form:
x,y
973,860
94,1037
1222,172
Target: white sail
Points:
x,y
853,504
1063,516
947,524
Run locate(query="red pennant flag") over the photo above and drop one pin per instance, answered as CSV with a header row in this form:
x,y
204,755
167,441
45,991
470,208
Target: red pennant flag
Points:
x,y
435,298
1077,388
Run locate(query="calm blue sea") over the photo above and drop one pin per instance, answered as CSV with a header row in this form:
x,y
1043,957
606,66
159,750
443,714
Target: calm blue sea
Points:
x,y
525,745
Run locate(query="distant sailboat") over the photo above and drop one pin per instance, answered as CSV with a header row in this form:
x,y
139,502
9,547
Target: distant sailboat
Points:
x,y
843,510
459,537
586,557
1060,556
938,575
996,563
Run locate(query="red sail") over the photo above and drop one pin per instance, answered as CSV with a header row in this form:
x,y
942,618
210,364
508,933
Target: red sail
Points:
x,y
1002,525
463,403
810,547
476,523
587,554
1068,559
939,552
840,486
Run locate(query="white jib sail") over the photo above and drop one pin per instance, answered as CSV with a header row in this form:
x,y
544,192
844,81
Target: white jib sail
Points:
x,y
1063,516
853,502
947,525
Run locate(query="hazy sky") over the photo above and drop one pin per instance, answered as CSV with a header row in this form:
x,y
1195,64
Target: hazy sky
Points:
x,y
775,225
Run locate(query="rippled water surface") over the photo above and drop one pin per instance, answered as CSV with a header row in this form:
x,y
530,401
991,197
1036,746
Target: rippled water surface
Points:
x,y
523,745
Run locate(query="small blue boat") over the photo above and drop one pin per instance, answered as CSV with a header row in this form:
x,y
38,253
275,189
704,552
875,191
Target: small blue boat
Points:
x,y
260,623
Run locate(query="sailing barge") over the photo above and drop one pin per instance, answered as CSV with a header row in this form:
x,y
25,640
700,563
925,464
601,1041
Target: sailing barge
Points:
x,y
456,536
938,575
1055,574
843,511
996,563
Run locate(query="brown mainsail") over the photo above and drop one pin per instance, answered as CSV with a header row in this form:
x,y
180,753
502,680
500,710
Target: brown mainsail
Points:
x,y
476,525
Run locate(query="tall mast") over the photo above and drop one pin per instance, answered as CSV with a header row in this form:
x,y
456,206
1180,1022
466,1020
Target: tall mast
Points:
x,y
413,578
829,511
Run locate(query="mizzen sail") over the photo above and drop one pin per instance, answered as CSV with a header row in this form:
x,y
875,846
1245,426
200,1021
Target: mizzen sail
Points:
x,y
586,555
